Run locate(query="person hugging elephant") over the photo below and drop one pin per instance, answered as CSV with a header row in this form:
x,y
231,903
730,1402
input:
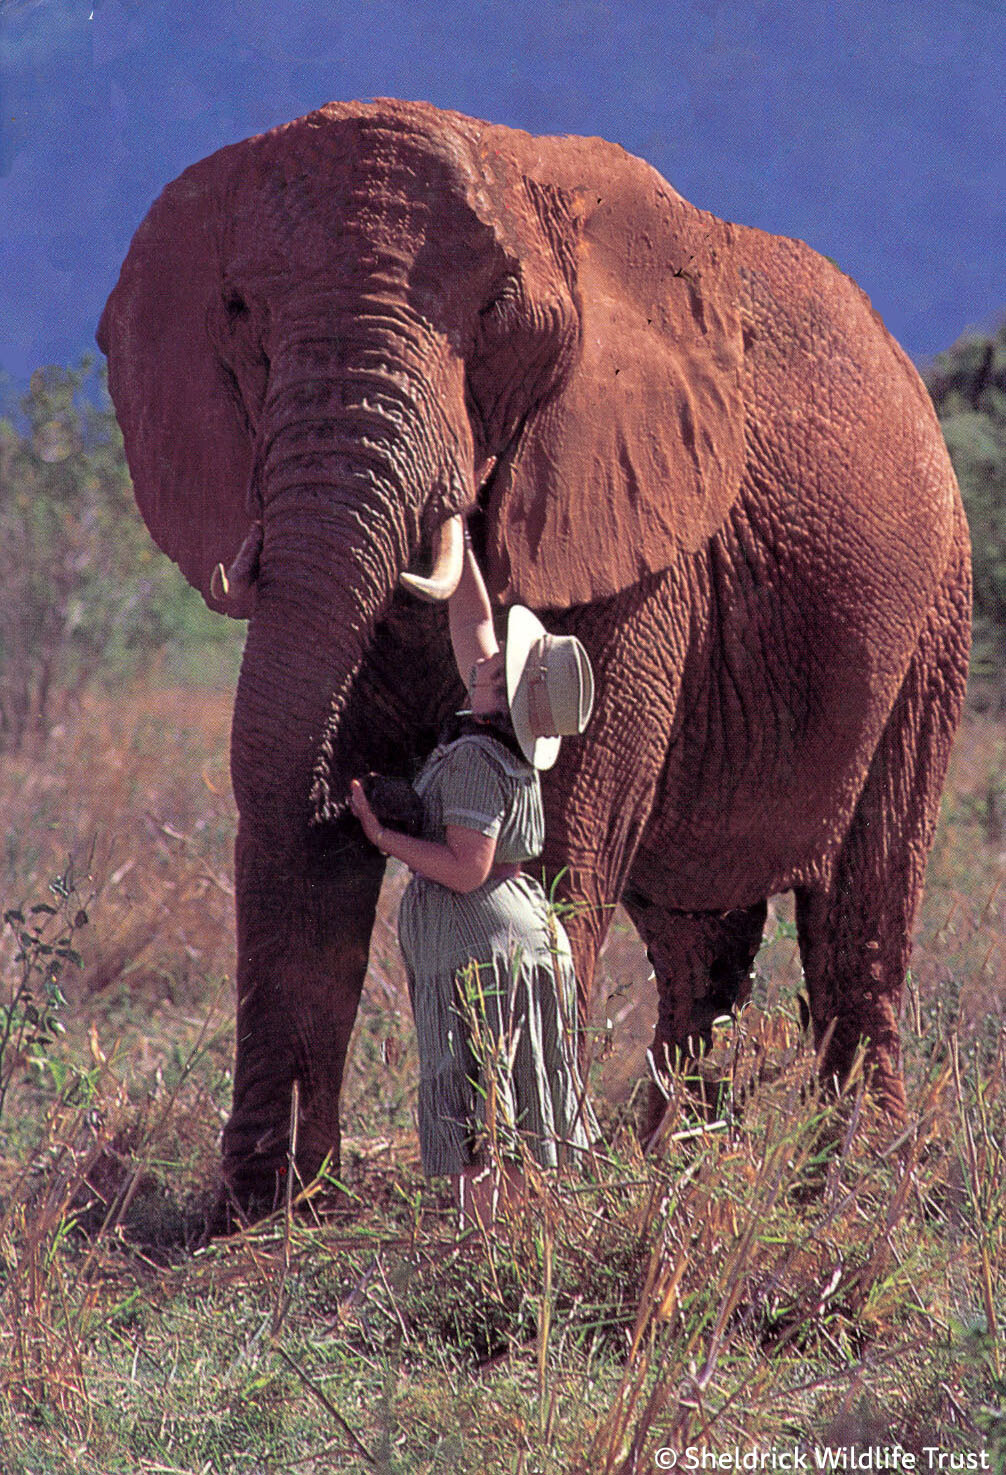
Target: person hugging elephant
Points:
x,y
489,966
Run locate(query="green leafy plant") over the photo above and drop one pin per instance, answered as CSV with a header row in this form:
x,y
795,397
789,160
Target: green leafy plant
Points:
x,y
83,593
968,387
30,1010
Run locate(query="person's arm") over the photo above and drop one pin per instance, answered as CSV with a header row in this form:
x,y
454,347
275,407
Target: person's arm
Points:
x,y
473,636
462,862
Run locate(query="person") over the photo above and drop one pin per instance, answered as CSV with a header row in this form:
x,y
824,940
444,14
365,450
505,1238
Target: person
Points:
x,y
484,954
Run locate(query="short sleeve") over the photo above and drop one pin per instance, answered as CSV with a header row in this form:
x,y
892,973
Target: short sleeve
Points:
x,y
472,791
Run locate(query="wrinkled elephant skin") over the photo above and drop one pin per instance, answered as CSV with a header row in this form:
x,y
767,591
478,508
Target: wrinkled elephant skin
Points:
x,y
706,457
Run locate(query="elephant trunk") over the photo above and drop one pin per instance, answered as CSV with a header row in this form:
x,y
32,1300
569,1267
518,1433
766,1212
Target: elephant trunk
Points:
x,y
361,461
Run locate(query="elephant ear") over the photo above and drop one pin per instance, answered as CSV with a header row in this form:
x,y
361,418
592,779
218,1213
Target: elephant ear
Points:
x,y
186,434
637,454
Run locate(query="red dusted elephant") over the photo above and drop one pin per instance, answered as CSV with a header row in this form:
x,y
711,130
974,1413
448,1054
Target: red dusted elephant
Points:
x,y
690,443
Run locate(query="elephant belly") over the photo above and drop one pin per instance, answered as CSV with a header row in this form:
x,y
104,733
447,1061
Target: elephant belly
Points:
x,y
747,846
798,647
765,771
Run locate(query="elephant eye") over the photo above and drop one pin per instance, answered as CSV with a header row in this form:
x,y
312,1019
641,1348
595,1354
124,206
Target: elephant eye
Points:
x,y
236,306
504,305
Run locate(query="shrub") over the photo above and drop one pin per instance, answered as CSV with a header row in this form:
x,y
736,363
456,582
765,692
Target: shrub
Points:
x,y
968,387
83,592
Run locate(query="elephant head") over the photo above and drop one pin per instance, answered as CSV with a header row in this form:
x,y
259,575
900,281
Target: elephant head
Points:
x,y
330,328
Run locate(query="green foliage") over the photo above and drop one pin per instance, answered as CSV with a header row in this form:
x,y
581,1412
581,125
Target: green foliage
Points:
x,y
968,387
83,592
32,998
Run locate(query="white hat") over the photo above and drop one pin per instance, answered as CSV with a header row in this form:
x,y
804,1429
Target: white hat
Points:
x,y
549,686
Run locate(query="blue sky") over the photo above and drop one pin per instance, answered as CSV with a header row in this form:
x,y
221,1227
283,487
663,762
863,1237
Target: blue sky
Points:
x,y
874,131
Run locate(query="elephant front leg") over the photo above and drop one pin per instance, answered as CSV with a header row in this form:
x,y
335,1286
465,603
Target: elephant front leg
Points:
x,y
304,925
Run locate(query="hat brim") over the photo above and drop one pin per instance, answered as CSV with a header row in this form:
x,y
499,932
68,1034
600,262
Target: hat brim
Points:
x,y
523,631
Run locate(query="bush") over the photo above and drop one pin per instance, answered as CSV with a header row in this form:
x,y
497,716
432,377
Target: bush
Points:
x,y
83,591
968,387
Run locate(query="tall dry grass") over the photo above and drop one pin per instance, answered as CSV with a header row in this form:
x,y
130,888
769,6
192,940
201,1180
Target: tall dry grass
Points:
x,y
136,790
786,1275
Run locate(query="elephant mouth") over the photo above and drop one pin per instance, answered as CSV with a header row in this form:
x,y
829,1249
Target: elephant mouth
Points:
x,y
449,543
448,558
228,584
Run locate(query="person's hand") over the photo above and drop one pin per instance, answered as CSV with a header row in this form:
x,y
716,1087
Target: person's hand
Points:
x,y
487,686
360,806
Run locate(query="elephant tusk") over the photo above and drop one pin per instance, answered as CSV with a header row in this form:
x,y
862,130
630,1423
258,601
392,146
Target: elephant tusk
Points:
x,y
219,584
239,578
448,561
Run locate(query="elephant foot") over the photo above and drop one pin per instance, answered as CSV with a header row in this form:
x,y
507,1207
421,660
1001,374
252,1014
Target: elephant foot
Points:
x,y
705,1099
251,1190
884,1080
242,1200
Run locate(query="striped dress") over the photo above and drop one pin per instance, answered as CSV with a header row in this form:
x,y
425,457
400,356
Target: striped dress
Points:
x,y
490,974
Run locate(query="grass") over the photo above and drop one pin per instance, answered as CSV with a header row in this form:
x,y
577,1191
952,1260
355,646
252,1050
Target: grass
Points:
x,y
785,1278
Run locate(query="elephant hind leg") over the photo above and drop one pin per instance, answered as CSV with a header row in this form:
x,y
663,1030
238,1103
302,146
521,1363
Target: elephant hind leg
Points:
x,y
855,936
702,964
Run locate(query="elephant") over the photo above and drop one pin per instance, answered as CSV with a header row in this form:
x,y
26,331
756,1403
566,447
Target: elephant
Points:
x,y
690,443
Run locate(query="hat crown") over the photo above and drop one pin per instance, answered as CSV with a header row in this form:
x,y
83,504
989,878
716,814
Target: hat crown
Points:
x,y
559,703
550,686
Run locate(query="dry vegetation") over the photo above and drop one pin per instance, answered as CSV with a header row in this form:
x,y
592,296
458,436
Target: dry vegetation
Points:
x,y
781,1279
